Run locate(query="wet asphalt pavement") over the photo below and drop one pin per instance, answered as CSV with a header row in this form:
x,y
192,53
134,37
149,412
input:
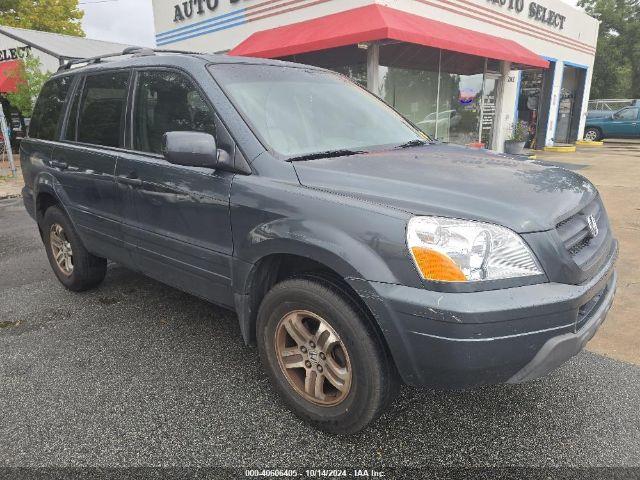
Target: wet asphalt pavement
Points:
x,y
136,373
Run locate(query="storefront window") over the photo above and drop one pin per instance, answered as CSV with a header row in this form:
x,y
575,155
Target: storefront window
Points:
x,y
414,93
356,72
408,79
461,88
450,96
446,94
460,97
350,61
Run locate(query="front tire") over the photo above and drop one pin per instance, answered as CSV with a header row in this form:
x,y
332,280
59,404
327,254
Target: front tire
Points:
x,y
324,357
75,267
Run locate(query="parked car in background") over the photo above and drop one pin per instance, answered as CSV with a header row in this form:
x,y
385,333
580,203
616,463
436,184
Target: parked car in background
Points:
x,y
625,123
605,107
357,253
448,118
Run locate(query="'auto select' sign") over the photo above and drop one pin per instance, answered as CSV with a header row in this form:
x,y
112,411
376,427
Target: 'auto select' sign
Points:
x,y
185,10
536,12
14,53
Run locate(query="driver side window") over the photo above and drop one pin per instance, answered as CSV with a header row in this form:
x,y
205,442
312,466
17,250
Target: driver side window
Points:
x,y
167,102
627,114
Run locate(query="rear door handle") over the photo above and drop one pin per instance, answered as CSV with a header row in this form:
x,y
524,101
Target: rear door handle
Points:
x,y
57,164
130,180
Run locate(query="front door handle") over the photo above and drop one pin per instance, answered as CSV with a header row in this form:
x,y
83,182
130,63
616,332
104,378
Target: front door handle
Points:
x,y
59,165
130,179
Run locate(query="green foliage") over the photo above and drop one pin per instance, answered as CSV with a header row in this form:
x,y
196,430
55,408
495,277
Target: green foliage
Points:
x,y
32,78
58,16
616,72
519,132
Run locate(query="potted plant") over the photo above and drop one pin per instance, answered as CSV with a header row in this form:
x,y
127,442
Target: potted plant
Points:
x,y
519,135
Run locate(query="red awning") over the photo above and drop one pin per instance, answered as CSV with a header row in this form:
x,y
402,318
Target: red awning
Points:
x,y
9,76
377,22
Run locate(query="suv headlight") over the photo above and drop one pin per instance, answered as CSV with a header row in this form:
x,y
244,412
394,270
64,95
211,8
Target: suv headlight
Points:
x,y
451,250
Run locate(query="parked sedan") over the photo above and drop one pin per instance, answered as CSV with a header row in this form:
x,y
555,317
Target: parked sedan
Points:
x,y
624,123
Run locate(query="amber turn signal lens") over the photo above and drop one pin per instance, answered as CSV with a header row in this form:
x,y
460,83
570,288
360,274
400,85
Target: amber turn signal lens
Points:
x,y
437,266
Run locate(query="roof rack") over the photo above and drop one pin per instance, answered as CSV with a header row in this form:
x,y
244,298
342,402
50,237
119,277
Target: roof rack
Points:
x,y
133,51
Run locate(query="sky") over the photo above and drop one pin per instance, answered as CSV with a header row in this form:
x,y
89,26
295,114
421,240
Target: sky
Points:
x,y
122,21
126,21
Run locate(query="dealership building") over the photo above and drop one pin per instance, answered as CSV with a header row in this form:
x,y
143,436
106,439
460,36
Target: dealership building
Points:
x,y
464,71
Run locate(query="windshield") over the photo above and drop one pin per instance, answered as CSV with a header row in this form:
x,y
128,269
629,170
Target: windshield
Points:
x,y
297,111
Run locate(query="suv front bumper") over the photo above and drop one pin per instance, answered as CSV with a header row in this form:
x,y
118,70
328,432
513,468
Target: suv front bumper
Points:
x,y
460,340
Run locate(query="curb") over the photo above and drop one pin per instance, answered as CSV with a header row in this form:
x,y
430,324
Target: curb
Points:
x,y
586,143
561,149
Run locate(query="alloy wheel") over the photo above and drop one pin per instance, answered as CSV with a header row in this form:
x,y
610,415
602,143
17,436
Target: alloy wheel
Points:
x,y
313,358
591,135
61,249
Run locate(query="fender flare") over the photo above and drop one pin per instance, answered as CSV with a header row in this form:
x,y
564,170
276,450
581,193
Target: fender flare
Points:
x,y
46,183
348,257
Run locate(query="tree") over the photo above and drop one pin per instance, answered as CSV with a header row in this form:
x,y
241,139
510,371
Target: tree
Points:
x,y
57,16
32,78
616,71
611,71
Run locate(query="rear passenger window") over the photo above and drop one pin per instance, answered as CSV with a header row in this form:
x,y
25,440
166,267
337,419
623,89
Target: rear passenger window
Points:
x,y
48,111
101,117
167,102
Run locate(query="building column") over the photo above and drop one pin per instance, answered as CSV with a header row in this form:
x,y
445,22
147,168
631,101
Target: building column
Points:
x,y
501,122
585,101
373,68
555,103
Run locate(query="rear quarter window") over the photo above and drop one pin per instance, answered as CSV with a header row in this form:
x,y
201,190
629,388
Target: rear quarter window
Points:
x,y
49,109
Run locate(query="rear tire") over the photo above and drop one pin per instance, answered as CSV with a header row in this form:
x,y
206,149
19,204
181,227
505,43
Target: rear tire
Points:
x,y
75,267
592,134
336,347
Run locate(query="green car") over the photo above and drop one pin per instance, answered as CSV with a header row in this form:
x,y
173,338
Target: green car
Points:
x,y
623,123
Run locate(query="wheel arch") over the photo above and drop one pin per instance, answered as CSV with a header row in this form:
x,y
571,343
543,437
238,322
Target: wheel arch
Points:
x,y
46,194
278,266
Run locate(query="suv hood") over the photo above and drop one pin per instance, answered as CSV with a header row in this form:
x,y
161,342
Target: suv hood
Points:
x,y
458,182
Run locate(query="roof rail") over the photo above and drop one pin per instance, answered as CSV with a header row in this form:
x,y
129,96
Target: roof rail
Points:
x,y
133,51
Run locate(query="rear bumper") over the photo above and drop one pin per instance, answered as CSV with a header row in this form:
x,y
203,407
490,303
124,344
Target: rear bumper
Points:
x,y
460,340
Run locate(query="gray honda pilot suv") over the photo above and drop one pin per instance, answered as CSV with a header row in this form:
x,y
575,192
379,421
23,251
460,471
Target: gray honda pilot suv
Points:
x,y
357,252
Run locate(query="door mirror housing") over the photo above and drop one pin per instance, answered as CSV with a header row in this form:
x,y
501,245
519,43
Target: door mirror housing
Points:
x,y
190,149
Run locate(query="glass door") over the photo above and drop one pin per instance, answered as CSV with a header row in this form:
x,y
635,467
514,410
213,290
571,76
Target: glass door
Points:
x,y
567,104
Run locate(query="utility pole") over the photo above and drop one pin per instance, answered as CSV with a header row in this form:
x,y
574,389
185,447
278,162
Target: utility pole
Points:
x,y
4,128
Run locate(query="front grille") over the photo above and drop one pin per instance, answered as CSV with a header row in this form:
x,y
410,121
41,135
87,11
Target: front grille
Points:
x,y
573,251
577,236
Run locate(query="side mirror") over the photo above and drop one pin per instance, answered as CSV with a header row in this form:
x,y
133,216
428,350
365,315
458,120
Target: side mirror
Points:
x,y
191,149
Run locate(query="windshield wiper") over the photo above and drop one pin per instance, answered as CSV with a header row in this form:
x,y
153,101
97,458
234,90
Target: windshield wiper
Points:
x,y
414,143
326,154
